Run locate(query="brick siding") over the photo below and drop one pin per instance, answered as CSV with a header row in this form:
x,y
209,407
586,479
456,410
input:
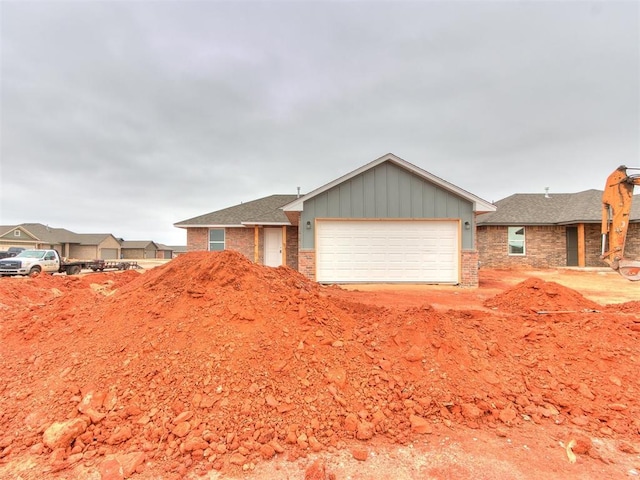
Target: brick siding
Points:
x,y
307,263
197,239
546,246
242,240
469,268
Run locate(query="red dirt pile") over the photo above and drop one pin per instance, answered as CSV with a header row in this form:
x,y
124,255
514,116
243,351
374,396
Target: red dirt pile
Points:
x,y
213,362
535,295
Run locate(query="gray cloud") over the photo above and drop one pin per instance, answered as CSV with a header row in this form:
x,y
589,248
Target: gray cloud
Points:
x,y
136,115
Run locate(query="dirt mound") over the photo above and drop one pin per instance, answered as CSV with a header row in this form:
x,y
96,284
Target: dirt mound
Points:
x,y
213,362
627,307
536,295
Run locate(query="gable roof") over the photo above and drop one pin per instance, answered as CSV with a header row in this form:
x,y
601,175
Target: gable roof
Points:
x,y
46,234
552,209
479,205
263,211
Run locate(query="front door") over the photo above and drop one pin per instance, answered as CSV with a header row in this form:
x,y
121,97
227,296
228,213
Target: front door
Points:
x,y
273,247
572,246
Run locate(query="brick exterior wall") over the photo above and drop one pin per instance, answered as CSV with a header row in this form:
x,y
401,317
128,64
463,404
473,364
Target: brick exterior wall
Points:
x,y
307,263
469,268
546,246
292,247
632,248
197,239
242,240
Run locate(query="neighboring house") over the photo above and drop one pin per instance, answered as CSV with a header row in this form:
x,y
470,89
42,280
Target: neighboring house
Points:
x,y
139,249
549,230
95,246
68,244
387,221
164,251
177,250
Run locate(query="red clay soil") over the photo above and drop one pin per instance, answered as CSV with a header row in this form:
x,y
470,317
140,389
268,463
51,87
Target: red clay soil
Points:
x,y
211,365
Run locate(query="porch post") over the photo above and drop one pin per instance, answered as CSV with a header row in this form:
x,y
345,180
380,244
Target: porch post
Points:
x,y
256,246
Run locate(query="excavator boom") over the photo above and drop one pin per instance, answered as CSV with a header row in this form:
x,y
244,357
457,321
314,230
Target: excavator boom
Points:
x,y
616,207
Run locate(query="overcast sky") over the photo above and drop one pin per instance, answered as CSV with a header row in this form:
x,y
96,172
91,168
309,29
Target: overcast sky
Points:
x,y
126,117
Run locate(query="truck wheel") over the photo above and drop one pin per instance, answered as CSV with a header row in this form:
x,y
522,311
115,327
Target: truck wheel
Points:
x,y
73,270
35,271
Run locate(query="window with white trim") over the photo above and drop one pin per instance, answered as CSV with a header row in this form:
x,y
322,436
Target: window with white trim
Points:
x,y
216,239
516,240
16,233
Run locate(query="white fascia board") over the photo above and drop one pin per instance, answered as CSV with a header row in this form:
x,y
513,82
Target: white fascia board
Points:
x,y
266,224
479,205
208,226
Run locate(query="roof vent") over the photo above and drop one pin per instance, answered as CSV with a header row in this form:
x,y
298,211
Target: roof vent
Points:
x,y
546,192
298,192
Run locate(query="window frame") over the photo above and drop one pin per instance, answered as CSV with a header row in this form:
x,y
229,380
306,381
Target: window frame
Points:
x,y
511,232
211,242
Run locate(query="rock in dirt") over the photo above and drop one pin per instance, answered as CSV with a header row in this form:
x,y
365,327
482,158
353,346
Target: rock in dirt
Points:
x,y
420,425
61,434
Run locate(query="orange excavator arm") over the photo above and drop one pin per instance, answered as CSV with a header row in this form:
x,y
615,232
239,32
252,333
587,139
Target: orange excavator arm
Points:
x,y
616,207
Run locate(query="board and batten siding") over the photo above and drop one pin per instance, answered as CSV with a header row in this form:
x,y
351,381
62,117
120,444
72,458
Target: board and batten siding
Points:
x,y
386,191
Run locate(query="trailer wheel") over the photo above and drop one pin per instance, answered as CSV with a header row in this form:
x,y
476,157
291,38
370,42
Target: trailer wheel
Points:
x,y
35,271
73,270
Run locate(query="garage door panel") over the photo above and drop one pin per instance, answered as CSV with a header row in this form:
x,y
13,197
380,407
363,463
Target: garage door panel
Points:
x,y
387,251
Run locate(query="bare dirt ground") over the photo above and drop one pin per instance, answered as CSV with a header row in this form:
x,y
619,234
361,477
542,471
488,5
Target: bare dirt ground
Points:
x,y
213,367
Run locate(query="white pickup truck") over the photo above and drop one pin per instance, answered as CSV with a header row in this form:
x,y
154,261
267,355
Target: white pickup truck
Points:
x,y
35,262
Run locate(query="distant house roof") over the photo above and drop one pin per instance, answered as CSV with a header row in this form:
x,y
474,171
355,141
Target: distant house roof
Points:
x,y
138,244
479,205
264,211
162,246
48,234
552,209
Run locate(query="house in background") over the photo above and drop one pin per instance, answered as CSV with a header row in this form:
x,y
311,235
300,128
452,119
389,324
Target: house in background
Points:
x,y
69,244
138,249
549,230
177,250
387,221
165,251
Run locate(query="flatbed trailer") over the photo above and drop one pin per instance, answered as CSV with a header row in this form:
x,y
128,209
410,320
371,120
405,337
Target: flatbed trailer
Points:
x,y
102,265
34,262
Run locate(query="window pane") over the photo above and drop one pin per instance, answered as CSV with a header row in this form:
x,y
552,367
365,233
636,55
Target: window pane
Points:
x,y
216,239
216,247
216,235
516,241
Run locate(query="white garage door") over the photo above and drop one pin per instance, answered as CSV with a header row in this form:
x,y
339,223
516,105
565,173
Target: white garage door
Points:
x,y
387,251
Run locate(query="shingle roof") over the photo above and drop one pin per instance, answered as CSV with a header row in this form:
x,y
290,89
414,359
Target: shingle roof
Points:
x,y
91,238
56,236
554,209
49,234
266,210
